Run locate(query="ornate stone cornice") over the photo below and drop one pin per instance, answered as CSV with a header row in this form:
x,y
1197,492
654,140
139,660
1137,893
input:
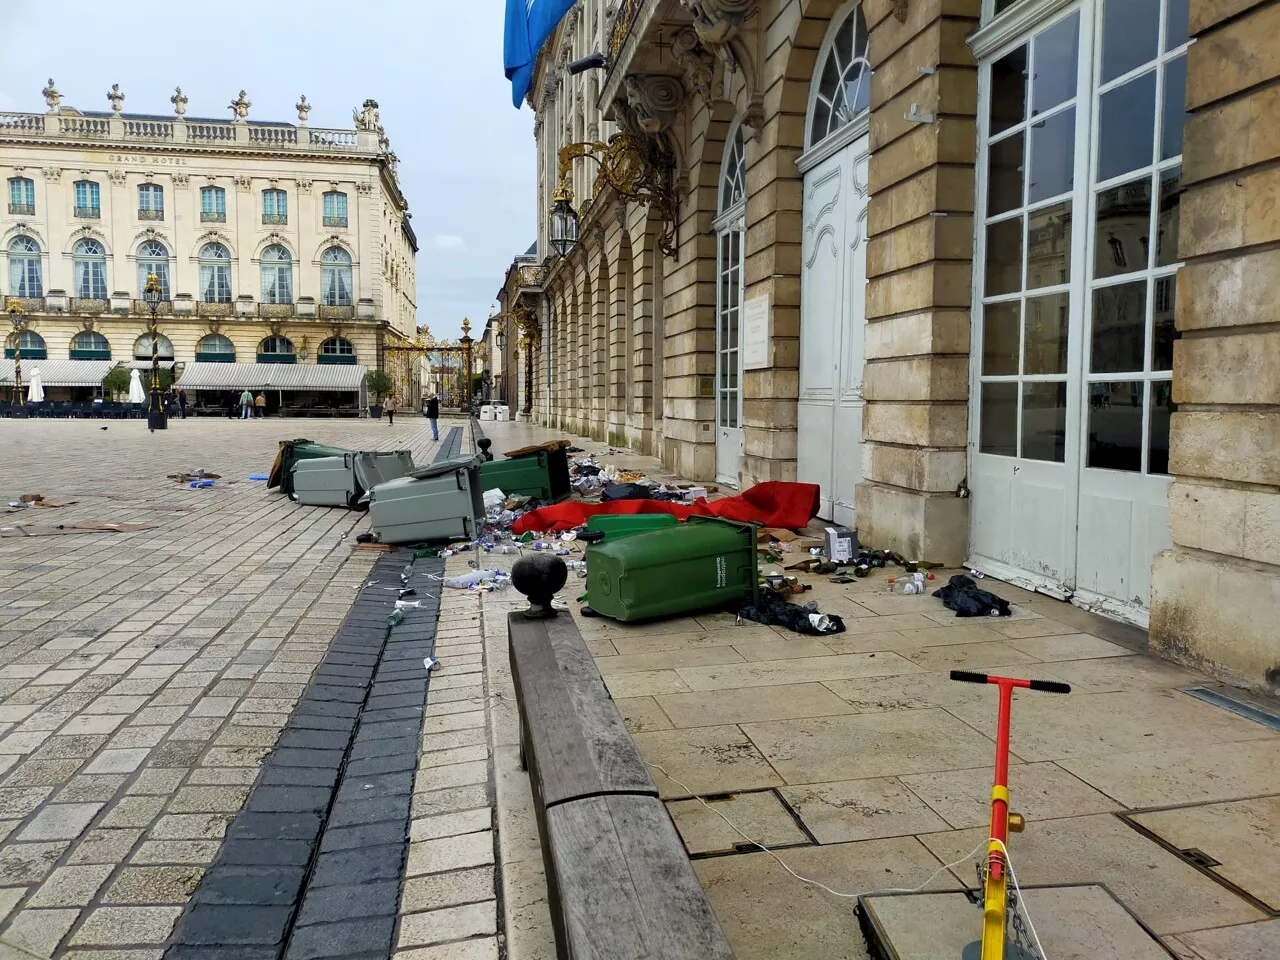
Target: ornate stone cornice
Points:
x,y
717,23
698,64
651,103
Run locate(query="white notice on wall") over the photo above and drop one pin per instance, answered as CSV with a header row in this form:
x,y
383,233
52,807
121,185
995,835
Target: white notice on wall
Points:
x,y
755,333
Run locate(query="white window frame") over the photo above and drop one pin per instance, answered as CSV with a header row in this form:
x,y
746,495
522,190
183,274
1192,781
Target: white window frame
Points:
x,y
833,143
730,220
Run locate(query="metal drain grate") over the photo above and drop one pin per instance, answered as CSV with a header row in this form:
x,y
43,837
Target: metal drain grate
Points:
x,y
1241,708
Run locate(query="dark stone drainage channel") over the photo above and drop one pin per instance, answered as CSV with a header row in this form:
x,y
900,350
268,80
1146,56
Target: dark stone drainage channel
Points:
x,y
312,866
451,446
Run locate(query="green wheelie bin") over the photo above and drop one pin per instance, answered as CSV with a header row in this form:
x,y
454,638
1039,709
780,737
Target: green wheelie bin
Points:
x,y
700,564
290,452
616,525
542,474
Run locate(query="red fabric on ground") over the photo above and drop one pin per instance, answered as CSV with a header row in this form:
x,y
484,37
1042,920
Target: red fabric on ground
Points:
x,y
773,504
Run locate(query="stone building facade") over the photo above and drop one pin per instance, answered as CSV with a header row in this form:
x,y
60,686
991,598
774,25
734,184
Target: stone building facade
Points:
x,y
991,272
272,242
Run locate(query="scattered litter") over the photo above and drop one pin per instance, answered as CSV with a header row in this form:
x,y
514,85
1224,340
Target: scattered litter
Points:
x,y
976,573
967,599
478,578
194,475
403,605
494,498
258,476
802,618
200,484
430,663
71,528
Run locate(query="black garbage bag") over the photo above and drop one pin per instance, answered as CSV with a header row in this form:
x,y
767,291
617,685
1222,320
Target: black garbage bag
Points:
x,y
968,599
624,491
773,611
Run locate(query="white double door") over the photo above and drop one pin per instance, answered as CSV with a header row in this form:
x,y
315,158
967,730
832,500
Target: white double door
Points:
x,y
833,279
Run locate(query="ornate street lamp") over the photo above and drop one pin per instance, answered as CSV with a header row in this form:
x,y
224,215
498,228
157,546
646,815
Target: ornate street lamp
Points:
x,y
563,232
157,419
15,317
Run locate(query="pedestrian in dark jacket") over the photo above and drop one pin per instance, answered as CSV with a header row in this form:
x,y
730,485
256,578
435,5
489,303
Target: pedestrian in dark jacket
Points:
x,y
431,410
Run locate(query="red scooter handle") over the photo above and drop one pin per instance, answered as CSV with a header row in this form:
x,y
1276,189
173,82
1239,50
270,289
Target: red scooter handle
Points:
x,y
1045,686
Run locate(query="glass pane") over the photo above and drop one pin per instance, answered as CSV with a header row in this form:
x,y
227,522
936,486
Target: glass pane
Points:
x,y
1000,322
1047,325
1130,35
821,120
1115,426
1123,224
1008,90
1177,18
1162,321
1167,224
1057,51
1004,175
1174,116
1003,5
1126,124
1119,327
1049,245
1053,156
1044,421
1158,437
998,431
1004,257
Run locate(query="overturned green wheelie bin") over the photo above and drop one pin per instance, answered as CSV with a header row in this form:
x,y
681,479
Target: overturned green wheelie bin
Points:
x,y
615,525
701,564
541,474
290,452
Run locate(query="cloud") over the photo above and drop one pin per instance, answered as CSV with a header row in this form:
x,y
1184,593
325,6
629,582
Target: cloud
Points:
x,y
449,241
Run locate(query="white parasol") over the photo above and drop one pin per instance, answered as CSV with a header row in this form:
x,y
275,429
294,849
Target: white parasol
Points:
x,y
136,393
35,392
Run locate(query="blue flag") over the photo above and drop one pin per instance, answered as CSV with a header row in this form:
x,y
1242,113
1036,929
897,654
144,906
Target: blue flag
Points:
x,y
530,24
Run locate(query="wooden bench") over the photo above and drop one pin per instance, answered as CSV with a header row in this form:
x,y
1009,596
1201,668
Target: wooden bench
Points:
x,y
619,883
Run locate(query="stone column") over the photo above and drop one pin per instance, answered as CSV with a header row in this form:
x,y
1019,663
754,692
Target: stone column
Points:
x,y
919,266
1215,596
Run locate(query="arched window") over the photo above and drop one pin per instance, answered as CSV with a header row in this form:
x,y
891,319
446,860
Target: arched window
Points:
x,y
275,206
153,257
277,275
729,269
22,196
90,345
88,206
150,201
277,350
335,209
337,350
213,205
733,176
89,261
30,343
142,347
215,273
335,277
25,277
215,348
843,83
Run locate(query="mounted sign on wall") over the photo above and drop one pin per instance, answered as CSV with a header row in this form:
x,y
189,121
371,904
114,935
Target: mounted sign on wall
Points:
x,y
755,333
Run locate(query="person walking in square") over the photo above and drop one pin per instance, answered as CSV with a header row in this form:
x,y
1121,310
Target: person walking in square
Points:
x,y
260,401
246,404
431,410
182,401
391,411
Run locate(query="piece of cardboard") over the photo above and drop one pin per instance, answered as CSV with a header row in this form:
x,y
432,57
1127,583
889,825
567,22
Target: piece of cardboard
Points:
x,y
775,533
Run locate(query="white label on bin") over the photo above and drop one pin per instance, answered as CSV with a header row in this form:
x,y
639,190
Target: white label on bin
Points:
x,y
722,573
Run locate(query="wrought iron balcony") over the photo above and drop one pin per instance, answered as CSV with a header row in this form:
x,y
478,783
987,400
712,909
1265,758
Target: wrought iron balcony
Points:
x,y
163,309
89,305
275,311
275,218
328,312
213,216
335,221
89,213
29,209
207,309
150,214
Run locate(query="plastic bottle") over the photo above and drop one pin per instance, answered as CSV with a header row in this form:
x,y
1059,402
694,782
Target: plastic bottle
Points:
x,y
395,618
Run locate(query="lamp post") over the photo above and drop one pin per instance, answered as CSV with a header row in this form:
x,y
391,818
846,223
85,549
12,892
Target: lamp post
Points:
x,y
15,317
157,419
500,340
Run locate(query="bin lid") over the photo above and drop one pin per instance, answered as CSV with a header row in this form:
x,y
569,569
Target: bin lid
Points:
x,y
446,466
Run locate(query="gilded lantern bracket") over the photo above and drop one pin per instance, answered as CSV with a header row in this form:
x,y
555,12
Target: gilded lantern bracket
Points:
x,y
637,169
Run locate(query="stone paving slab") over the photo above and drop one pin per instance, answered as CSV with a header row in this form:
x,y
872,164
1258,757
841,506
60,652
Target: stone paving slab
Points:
x,y
144,677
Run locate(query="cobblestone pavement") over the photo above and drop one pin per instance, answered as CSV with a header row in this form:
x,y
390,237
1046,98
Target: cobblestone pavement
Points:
x,y
145,676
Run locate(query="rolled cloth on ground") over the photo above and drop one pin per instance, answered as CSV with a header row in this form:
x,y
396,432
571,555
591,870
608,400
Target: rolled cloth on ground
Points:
x,y
774,503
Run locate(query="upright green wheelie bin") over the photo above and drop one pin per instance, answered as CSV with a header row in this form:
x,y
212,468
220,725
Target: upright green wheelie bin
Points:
x,y
543,474
700,564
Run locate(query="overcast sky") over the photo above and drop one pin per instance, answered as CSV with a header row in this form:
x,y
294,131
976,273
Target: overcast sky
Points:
x,y
467,161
